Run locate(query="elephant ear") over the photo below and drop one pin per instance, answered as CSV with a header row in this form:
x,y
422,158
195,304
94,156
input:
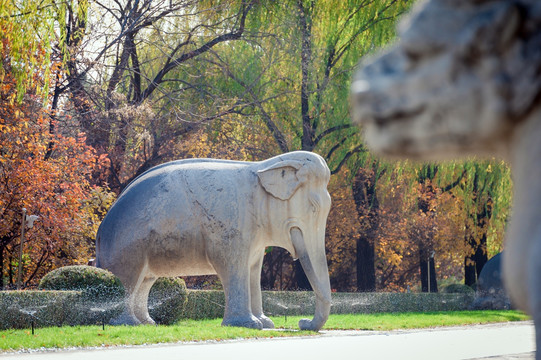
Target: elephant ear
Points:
x,y
281,180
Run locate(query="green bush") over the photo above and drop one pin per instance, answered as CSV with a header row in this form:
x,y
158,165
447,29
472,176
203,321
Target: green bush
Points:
x,y
167,299
95,284
101,292
458,288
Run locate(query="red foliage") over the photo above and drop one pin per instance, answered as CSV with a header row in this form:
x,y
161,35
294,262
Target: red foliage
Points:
x,y
48,174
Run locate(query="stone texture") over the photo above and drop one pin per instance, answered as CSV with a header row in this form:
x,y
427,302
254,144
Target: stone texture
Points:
x,y
208,216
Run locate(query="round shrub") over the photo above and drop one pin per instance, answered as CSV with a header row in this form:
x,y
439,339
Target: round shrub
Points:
x,y
94,283
101,298
458,288
102,294
166,300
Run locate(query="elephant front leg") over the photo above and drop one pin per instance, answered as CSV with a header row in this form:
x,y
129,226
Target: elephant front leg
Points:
x,y
237,301
255,293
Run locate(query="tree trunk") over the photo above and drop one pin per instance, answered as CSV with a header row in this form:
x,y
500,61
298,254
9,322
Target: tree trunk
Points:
x,y
473,264
307,141
367,205
470,275
428,271
427,266
366,273
306,58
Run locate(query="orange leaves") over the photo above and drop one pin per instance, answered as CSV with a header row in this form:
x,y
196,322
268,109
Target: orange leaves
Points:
x,y
410,217
343,228
49,175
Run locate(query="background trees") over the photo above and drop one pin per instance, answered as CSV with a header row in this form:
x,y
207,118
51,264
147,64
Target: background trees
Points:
x,y
301,91
135,73
96,92
48,174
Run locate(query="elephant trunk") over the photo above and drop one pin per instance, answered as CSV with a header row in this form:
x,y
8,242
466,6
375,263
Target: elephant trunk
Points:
x,y
314,264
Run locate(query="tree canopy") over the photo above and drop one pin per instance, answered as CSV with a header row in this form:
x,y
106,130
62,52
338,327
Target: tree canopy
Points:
x,y
93,93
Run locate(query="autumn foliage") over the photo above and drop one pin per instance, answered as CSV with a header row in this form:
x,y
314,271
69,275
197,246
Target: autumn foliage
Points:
x,y
48,174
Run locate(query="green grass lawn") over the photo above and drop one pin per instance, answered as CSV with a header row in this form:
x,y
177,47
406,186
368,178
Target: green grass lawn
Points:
x,y
395,321
201,330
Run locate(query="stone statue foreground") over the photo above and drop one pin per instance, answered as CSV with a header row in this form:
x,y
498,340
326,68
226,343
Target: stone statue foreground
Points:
x,y
464,80
205,216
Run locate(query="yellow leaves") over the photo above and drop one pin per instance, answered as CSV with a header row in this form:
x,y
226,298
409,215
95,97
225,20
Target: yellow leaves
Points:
x,y
26,29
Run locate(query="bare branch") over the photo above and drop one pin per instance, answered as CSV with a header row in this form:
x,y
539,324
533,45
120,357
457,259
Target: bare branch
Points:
x,y
330,131
356,150
234,35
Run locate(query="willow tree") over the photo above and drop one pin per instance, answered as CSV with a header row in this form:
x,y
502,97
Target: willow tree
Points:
x,y
431,183
422,221
348,34
293,77
326,40
487,192
484,189
26,34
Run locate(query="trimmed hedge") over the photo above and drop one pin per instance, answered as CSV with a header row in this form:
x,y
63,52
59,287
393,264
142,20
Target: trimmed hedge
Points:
x,y
102,295
204,304
211,303
46,308
54,308
344,303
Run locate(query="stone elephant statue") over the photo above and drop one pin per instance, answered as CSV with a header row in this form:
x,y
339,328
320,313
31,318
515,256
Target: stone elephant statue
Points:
x,y
464,80
207,216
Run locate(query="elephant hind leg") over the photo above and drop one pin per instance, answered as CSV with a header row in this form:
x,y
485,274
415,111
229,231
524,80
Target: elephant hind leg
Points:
x,y
137,284
128,316
141,304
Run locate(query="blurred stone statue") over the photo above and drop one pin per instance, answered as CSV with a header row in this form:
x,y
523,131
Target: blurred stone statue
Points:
x,y
208,216
490,293
463,80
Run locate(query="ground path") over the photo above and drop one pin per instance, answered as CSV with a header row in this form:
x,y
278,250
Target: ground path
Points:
x,y
495,341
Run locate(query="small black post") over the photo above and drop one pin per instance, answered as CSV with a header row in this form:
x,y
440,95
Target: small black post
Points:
x,y
32,326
